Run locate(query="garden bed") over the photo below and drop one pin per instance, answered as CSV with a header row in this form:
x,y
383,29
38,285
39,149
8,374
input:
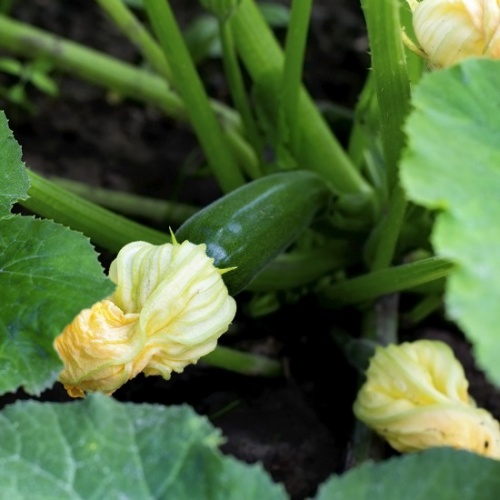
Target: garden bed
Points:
x,y
299,425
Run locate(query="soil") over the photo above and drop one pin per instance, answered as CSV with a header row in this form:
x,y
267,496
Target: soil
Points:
x,y
298,426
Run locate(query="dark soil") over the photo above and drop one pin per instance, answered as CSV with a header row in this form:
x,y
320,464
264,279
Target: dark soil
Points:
x,y
298,426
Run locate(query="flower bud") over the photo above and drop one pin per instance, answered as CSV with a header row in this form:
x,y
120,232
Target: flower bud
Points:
x,y
416,397
451,30
169,308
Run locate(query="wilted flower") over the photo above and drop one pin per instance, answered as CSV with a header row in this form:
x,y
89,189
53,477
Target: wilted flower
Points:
x,y
451,30
416,397
169,308
98,349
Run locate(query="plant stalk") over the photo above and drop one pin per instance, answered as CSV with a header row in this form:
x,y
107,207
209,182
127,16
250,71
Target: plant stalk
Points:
x,y
165,212
391,80
295,46
378,283
188,84
237,88
134,30
243,362
320,150
104,228
105,71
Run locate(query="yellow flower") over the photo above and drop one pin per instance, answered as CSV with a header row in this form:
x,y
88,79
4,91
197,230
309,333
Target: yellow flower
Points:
x,y
416,397
168,310
183,302
98,349
449,31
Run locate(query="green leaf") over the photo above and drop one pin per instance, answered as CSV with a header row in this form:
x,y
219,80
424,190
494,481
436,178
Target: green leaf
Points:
x,y
14,182
48,273
452,164
439,473
100,448
275,14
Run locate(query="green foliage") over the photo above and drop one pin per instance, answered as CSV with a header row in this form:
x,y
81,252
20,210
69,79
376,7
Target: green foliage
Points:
x,y
35,73
13,178
452,166
48,274
407,207
440,473
100,448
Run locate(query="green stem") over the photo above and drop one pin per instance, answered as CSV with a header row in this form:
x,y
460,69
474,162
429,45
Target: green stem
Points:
x,y
375,284
133,29
90,65
389,230
244,153
190,87
302,267
320,150
295,46
392,86
427,306
390,77
237,88
101,69
104,228
243,362
165,212
379,328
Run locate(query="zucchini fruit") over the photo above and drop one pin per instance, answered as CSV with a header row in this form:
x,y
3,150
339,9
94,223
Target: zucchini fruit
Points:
x,y
250,226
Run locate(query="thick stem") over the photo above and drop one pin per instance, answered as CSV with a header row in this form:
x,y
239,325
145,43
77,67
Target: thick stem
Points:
x,y
243,362
295,46
389,230
103,70
104,228
391,80
378,283
167,212
237,88
190,87
320,150
133,29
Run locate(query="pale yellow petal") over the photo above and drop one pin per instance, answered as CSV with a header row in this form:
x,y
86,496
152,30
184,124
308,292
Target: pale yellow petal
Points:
x,y
416,396
182,300
98,349
449,31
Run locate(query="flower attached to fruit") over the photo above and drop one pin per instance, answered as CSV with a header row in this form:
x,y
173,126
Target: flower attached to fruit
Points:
x,y
169,308
449,31
416,397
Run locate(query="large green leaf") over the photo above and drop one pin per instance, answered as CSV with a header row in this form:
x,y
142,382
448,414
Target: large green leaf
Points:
x,y
48,273
452,164
99,448
436,474
14,181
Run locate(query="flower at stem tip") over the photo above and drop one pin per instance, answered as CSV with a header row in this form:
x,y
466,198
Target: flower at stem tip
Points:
x,y
169,308
416,396
449,31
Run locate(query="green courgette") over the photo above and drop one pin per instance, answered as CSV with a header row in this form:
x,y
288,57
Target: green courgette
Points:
x,y
250,226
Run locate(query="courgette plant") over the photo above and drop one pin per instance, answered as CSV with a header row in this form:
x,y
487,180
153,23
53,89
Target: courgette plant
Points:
x,y
406,208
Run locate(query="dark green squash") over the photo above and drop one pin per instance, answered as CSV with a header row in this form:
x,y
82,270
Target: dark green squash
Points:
x,y
250,226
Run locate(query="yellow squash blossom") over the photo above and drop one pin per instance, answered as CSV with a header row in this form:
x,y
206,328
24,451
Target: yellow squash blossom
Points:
x,y
416,397
449,31
169,308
